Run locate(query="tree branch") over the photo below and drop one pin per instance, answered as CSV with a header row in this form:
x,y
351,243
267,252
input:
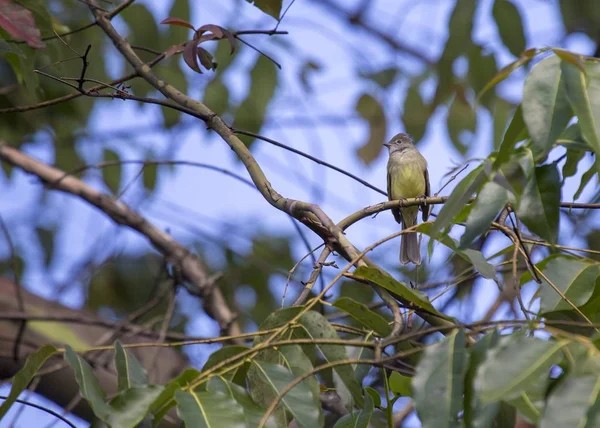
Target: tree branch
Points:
x,y
187,263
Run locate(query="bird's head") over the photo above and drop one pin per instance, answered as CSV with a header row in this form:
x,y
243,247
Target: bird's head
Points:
x,y
399,143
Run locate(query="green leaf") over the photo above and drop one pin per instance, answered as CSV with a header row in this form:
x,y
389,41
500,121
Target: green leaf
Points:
x,y
509,69
316,326
477,414
586,177
253,413
112,174
130,372
510,26
515,364
583,92
225,353
89,387
400,384
458,199
503,111
461,122
374,396
175,34
571,162
491,200
438,382
361,313
539,204
216,96
21,380
482,68
572,402
250,114
270,7
46,240
514,133
384,78
142,31
166,399
359,419
415,113
383,280
176,77
204,409
129,408
299,401
150,176
546,108
576,279
371,110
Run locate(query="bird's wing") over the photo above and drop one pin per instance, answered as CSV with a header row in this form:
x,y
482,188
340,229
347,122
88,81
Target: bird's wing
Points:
x,y
425,207
395,211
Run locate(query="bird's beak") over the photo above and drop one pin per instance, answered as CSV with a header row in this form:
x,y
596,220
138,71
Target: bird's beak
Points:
x,y
387,145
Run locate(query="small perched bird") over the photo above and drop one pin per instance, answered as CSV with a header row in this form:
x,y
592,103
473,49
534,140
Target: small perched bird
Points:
x,y
407,177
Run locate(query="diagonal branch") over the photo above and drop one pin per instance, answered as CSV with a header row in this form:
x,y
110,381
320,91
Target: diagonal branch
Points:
x,y
184,261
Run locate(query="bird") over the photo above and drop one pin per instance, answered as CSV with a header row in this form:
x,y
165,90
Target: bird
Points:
x,y
407,177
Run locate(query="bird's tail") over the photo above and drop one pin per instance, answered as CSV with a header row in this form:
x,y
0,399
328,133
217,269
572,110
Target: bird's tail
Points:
x,y
409,244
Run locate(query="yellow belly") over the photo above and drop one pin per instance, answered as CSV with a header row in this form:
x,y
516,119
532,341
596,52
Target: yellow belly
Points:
x,y
407,182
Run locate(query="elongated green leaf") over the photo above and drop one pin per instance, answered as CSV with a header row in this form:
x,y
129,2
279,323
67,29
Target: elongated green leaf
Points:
x,y
572,403
358,311
516,131
586,177
508,70
400,384
415,113
203,409
384,78
539,205
253,413
89,387
458,198
130,372
583,92
225,353
112,174
491,200
163,403
216,96
291,357
142,31
513,365
546,108
510,26
358,419
576,279
438,382
270,7
299,401
25,375
477,414
412,296
132,406
250,114
482,68
372,111
461,122
316,326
